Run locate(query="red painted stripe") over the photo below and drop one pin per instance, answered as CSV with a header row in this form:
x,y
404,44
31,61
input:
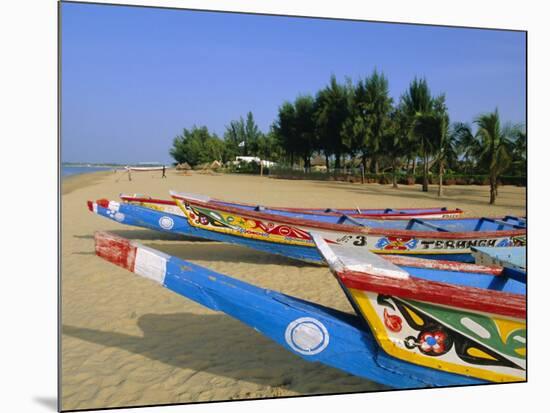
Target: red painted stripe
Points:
x,y
312,211
103,202
90,205
365,214
149,200
469,298
443,265
352,229
115,249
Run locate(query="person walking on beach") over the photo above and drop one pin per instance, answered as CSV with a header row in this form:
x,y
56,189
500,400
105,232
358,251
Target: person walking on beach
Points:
x,y
164,171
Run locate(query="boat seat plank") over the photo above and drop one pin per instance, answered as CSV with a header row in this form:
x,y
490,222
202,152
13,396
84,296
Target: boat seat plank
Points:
x,y
426,224
346,217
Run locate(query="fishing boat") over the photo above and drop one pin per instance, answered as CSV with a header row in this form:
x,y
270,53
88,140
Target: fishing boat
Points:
x,y
170,218
162,221
465,325
310,213
334,338
437,239
177,223
144,168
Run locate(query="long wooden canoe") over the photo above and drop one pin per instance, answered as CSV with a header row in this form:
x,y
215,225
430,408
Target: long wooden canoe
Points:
x,y
163,221
439,238
381,213
309,330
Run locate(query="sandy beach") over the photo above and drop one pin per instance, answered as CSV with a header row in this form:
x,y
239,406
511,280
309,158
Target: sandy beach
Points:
x,y
127,341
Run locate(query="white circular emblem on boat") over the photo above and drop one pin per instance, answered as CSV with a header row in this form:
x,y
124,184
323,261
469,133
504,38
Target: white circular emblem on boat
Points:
x,y
119,216
307,336
166,222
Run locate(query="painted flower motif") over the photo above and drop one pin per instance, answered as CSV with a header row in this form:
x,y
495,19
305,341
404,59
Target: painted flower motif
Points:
x,y
203,220
393,322
433,342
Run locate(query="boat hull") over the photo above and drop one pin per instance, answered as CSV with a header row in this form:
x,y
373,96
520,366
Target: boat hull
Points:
x,y
434,245
163,221
309,330
481,345
388,213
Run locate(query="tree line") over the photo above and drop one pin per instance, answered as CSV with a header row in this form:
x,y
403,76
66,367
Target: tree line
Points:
x,y
359,123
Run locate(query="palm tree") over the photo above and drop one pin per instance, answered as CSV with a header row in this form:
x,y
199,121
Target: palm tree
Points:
x,y
519,153
443,141
418,105
467,144
332,110
284,130
305,128
395,143
355,128
378,105
495,141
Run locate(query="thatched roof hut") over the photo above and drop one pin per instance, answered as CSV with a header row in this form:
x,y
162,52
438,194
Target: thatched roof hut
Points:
x,y
183,167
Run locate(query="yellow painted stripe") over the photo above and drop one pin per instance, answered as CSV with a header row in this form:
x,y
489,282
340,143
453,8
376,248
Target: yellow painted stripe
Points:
x,y
269,238
475,352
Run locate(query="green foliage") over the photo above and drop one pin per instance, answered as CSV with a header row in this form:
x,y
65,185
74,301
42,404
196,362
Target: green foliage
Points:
x,y
242,137
332,111
359,124
196,146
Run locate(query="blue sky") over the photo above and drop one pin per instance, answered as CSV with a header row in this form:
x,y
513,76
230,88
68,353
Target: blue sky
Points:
x,y
133,78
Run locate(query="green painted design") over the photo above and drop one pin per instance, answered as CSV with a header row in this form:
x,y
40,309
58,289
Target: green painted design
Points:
x,y
482,328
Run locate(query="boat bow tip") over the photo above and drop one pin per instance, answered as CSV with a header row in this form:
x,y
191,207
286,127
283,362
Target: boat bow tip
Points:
x,y
341,259
190,196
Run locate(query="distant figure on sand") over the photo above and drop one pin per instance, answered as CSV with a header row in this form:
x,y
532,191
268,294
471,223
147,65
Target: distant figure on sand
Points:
x,y
164,171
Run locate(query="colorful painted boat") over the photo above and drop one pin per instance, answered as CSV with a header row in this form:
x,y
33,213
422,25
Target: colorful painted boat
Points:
x,y
473,326
161,220
438,239
309,330
143,217
309,213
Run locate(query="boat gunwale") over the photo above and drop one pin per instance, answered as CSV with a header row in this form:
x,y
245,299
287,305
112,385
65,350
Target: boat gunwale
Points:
x,y
413,288
319,211
400,260
351,229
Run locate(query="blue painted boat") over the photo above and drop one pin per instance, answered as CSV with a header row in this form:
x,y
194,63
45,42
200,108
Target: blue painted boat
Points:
x,y
445,321
163,221
311,331
435,238
143,217
138,216
374,213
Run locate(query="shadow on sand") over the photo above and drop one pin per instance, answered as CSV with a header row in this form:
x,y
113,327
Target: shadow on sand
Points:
x,y
179,340
146,235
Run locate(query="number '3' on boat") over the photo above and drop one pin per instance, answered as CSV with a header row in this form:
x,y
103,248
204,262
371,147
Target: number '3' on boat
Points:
x,y
438,239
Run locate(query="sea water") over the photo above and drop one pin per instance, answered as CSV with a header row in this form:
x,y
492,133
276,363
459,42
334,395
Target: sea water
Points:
x,y
77,170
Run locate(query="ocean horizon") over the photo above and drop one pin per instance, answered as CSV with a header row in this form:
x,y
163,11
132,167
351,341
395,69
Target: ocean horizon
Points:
x,y
79,170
